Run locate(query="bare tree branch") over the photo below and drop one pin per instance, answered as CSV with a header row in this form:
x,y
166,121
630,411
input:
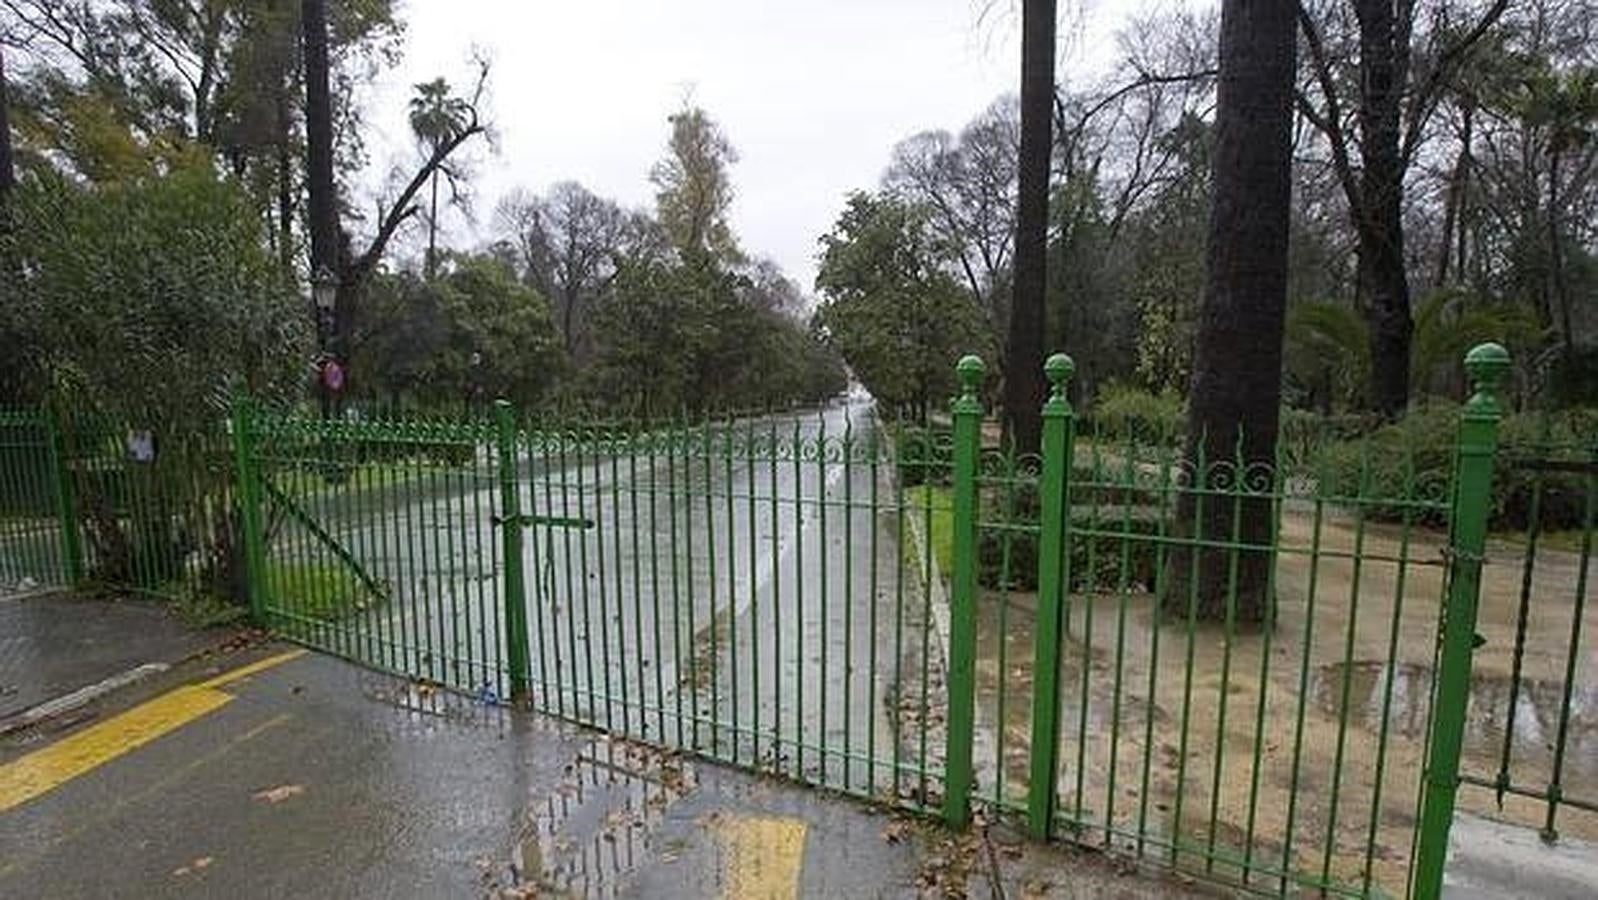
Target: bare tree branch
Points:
x,y
1329,123
1424,99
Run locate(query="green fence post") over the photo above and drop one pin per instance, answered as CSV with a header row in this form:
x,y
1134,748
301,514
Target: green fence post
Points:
x,y
1054,569
249,495
1478,443
66,499
967,409
510,524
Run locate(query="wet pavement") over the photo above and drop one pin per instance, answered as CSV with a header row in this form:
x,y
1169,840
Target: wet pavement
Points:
x,y
307,776
53,644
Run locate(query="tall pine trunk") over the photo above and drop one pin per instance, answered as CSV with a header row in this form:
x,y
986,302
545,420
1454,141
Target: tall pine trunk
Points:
x,y
1235,397
1382,282
319,164
1556,263
1023,357
432,231
285,182
8,170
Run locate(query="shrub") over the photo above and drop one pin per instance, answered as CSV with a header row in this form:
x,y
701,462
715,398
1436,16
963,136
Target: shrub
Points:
x,y
1413,460
1103,537
145,305
1137,414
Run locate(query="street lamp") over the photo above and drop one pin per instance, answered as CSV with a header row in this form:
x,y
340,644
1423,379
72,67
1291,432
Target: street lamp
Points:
x,y
324,290
329,375
324,295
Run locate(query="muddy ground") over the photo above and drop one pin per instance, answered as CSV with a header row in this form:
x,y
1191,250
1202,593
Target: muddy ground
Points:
x,y
1338,745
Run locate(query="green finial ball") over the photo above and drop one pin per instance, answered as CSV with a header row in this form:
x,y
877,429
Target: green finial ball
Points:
x,y
1487,364
970,369
1058,369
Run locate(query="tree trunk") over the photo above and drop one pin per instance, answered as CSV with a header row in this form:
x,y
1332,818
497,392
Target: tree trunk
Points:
x,y
432,231
8,170
1556,263
1235,399
1023,356
285,184
1383,283
319,151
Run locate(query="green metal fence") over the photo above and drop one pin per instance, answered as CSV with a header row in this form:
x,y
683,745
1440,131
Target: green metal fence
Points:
x,y
736,588
1284,699
35,548
1537,691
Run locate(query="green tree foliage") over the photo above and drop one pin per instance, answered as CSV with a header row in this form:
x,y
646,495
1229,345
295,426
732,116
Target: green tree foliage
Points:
x,y
1166,246
673,335
473,334
153,298
146,305
109,89
891,308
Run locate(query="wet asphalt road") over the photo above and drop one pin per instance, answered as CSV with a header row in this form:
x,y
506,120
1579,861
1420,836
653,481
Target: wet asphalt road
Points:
x,y
316,778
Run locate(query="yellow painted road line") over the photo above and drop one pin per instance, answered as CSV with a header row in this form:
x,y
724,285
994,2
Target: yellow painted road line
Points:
x,y
763,856
227,678
47,768
170,779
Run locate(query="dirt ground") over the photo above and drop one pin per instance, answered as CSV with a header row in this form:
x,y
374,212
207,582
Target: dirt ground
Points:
x,y
1346,694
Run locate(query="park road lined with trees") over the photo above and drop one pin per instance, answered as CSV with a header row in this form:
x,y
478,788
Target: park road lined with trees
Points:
x,y
1178,594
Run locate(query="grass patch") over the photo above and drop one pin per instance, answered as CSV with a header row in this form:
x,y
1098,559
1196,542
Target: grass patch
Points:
x,y
305,481
321,590
916,513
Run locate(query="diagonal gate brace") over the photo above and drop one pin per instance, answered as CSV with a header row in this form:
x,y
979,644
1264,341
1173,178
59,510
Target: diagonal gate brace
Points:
x,y
301,516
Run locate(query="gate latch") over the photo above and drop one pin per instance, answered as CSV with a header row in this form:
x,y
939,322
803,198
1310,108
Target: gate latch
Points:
x,y
524,520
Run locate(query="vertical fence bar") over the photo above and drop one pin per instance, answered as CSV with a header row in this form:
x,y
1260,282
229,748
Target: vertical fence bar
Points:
x,y
510,524
1053,560
249,492
1556,791
967,409
66,502
1478,443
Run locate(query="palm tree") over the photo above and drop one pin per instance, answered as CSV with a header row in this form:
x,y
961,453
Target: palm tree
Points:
x,y
1328,343
437,117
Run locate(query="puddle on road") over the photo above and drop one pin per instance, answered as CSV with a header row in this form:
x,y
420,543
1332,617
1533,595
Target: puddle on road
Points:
x,y
594,829
1537,706
426,703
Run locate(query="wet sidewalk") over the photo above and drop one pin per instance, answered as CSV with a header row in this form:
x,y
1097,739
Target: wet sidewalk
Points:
x,y
52,645
280,773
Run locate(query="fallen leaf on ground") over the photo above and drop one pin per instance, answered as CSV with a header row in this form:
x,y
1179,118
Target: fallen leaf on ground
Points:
x,y
894,833
195,866
280,793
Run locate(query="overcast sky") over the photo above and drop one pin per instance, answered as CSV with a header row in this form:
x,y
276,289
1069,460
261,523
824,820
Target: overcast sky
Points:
x,y
813,93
